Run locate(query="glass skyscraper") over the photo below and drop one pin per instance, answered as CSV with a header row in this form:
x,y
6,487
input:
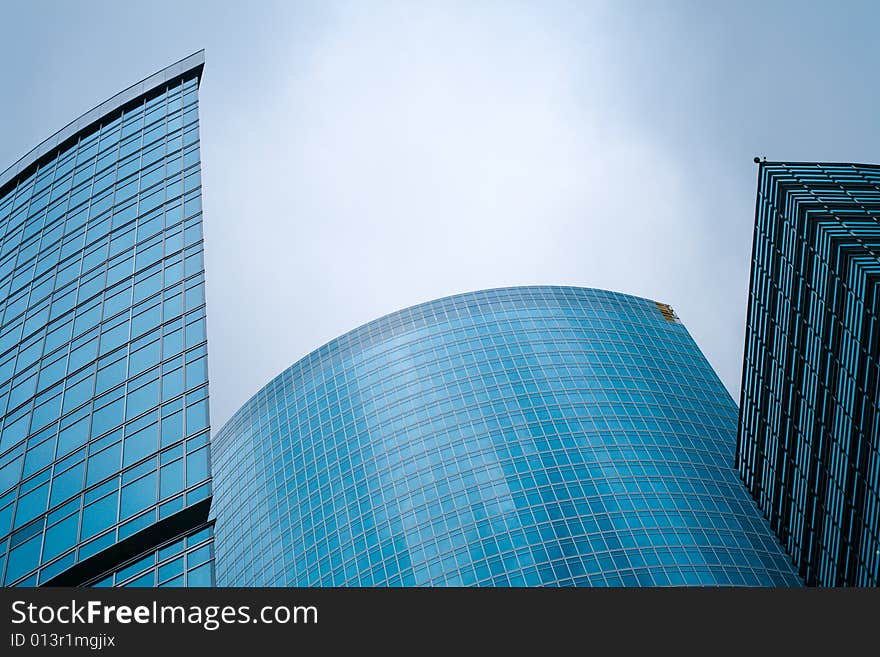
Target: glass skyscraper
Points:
x,y
104,461
520,436
809,431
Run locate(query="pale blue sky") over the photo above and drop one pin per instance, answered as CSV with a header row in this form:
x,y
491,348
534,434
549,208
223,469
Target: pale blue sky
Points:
x,y
360,157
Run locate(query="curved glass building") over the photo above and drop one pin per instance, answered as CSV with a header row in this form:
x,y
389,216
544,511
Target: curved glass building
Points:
x,y
104,465
522,436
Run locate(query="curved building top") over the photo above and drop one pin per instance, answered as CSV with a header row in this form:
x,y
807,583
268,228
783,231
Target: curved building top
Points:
x,y
380,328
50,147
517,436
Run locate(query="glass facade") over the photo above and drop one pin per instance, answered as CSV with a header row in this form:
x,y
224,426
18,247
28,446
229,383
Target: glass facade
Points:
x,y
103,359
183,561
521,436
809,433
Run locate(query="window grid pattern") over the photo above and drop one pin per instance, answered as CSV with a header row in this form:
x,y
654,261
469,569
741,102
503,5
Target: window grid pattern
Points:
x,y
809,434
521,436
186,561
103,356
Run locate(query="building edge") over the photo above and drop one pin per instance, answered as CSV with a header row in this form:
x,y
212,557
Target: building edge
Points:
x,y
69,134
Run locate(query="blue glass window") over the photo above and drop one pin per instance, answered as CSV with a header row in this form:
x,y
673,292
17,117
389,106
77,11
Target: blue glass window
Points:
x,y
93,272
522,436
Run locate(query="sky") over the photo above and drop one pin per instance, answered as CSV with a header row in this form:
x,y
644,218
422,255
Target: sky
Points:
x,y
361,157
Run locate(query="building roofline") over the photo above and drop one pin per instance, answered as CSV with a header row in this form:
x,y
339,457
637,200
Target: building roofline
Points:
x,y
366,326
863,165
87,122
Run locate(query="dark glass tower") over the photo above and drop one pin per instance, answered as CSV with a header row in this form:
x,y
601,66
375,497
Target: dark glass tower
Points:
x,y
523,436
809,429
104,463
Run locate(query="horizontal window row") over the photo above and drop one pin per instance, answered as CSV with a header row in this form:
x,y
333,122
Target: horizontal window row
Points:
x,y
182,98
42,493
93,339
92,204
90,238
67,197
174,565
25,558
106,277
105,424
32,405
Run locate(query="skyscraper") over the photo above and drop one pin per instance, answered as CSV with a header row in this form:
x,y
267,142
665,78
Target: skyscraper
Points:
x,y
104,462
809,430
519,436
